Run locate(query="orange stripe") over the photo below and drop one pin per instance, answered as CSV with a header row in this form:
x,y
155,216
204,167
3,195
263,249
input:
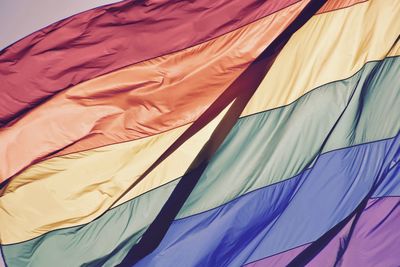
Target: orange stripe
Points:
x,y
138,101
338,4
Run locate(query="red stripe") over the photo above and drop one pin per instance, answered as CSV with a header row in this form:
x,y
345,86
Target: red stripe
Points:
x,y
110,37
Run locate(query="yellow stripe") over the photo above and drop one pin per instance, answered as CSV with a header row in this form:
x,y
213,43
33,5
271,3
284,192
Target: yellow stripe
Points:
x,y
136,101
75,189
395,50
330,47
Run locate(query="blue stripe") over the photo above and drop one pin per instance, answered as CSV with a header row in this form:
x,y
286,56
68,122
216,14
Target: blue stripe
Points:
x,y
281,216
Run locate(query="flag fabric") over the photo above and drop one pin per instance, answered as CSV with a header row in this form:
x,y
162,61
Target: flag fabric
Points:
x,y
204,133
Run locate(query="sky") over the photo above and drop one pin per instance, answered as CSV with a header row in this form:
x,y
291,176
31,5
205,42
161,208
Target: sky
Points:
x,y
19,18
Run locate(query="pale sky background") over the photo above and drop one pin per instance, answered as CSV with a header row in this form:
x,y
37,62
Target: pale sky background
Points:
x,y
19,18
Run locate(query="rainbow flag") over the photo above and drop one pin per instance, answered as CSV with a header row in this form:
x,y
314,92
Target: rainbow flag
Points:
x,y
204,133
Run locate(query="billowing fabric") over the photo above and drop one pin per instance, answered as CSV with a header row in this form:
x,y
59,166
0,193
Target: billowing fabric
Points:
x,y
138,101
224,220
33,16
226,133
373,242
69,236
72,51
304,207
118,159
272,123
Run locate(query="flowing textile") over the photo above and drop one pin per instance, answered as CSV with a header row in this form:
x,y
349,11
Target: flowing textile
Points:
x,y
204,133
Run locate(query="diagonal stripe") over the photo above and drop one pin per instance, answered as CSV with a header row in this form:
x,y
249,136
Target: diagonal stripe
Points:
x,y
64,45
109,185
341,4
373,242
78,245
273,133
286,141
326,49
73,192
140,100
275,218
106,115
102,124
118,35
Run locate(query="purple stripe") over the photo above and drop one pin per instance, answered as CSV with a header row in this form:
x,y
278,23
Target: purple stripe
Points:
x,y
2,263
374,242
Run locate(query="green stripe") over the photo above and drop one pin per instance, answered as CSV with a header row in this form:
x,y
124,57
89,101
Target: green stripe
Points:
x,y
287,140
261,149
